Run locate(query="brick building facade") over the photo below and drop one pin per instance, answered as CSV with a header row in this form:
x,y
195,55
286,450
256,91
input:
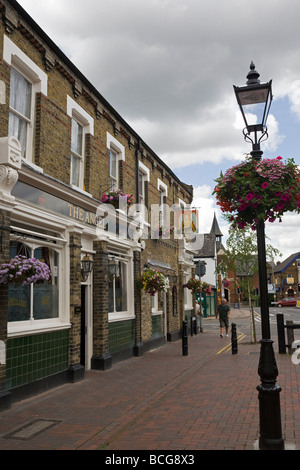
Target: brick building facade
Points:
x,y
287,277
62,146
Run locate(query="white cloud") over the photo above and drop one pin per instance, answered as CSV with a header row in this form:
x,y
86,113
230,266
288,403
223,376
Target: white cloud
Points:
x,y
275,138
207,209
168,67
285,235
294,97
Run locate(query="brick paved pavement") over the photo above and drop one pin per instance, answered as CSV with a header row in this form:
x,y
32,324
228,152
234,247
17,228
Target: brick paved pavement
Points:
x,y
160,401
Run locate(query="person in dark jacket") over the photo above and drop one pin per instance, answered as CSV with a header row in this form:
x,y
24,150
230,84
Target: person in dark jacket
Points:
x,y
223,312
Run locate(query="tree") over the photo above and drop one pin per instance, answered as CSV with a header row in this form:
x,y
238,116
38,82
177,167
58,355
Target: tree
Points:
x,y
241,258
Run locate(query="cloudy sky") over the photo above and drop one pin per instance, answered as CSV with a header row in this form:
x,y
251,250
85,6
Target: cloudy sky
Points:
x,y
169,66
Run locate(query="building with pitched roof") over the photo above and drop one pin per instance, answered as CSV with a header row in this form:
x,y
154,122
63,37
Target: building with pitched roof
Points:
x,y
211,244
287,276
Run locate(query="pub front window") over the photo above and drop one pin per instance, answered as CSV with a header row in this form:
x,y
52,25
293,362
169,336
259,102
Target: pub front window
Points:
x,y
37,301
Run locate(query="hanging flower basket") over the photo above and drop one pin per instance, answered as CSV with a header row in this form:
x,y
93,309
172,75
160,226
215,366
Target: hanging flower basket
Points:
x,y
196,285
113,198
153,281
24,271
259,190
166,231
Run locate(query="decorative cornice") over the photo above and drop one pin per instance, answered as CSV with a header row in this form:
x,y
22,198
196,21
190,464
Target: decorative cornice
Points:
x,y
9,18
49,61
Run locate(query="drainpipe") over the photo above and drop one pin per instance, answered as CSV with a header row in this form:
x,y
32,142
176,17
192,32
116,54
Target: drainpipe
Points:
x,y
137,152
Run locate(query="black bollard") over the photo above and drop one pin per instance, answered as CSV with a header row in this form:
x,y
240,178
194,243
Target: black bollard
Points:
x,y
281,333
234,346
195,326
184,339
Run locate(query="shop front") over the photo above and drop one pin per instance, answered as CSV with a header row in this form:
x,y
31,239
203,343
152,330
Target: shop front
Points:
x,y
58,328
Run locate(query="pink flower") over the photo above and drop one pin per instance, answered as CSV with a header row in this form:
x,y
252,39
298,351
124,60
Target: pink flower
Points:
x,y
279,206
278,158
265,185
249,196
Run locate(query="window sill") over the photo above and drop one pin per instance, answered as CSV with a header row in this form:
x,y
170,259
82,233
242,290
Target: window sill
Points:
x,y
120,316
32,165
15,330
79,190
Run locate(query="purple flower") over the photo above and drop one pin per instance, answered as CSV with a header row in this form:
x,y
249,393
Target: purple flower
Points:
x,y
24,271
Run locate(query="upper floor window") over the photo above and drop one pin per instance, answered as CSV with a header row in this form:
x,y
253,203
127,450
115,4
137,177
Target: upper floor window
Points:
x,y
20,109
163,193
76,153
26,80
113,170
117,153
144,176
82,124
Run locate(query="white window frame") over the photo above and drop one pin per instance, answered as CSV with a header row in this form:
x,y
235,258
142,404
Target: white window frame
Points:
x,y
34,75
181,203
114,145
163,192
144,176
129,312
154,305
47,324
78,114
113,176
181,207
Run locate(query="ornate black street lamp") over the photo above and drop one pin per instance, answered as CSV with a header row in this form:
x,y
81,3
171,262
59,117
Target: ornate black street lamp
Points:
x,y
86,267
254,97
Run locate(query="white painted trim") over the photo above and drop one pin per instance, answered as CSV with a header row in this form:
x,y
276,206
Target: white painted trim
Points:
x,y
162,186
145,170
78,113
112,143
14,56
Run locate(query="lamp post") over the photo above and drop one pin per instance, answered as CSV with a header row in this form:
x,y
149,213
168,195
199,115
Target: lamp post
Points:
x,y
252,98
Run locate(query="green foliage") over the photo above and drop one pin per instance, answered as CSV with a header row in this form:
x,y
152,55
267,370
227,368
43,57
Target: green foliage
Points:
x,y
153,281
241,256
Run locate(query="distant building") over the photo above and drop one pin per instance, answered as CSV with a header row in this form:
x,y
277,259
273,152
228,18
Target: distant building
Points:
x,y
287,276
207,255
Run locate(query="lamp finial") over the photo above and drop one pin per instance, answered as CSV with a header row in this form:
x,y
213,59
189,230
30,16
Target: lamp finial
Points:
x,y
253,75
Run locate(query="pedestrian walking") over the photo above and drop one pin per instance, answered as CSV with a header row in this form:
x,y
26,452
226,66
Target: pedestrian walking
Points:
x,y
199,314
223,312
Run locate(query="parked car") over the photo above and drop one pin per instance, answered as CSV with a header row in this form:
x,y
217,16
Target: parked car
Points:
x,y
289,302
